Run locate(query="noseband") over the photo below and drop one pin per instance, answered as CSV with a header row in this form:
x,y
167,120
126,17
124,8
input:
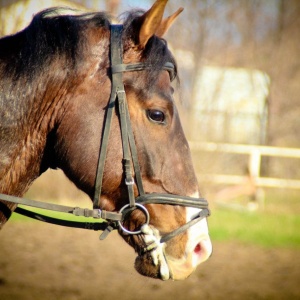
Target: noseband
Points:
x,y
115,220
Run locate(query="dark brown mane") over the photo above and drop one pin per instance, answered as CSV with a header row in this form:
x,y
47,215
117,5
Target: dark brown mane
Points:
x,y
51,34
48,35
47,52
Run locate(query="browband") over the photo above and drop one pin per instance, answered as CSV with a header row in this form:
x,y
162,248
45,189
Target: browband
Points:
x,y
120,68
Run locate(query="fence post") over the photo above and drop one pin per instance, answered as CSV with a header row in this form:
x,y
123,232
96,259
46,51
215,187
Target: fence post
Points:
x,y
254,173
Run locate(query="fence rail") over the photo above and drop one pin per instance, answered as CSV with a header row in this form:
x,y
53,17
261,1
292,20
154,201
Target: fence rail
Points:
x,y
255,153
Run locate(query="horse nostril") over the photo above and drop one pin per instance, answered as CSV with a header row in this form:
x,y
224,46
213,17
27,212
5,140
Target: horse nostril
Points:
x,y
197,249
201,252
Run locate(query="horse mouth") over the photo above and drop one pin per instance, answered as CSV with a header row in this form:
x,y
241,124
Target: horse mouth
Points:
x,y
151,260
153,263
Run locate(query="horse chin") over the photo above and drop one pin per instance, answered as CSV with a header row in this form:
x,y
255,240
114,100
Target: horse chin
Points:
x,y
151,260
144,265
169,269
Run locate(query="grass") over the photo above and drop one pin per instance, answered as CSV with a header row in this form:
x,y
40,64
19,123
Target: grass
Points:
x,y
258,228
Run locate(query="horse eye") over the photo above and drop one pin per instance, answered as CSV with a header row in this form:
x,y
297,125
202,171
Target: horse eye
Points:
x,y
156,116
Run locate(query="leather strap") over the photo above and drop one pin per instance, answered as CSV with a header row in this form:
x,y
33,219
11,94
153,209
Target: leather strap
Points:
x,y
120,68
118,95
129,181
172,200
202,214
116,50
67,223
77,211
5,210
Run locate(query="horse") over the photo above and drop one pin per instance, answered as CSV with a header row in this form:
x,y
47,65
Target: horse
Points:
x,y
96,101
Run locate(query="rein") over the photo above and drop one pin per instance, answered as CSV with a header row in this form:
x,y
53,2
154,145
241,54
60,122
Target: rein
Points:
x,y
114,220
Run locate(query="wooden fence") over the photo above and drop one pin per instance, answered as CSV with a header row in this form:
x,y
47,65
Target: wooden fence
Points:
x,y
255,154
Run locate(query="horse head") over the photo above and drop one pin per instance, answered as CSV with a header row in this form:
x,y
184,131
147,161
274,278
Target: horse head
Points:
x,y
74,101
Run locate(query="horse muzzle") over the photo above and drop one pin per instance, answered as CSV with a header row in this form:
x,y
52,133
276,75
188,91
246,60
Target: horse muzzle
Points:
x,y
158,262
182,268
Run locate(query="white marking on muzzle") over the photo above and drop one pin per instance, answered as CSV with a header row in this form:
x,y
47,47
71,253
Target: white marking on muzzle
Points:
x,y
198,237
198,248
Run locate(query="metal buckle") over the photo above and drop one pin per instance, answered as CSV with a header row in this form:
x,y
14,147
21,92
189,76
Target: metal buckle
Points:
x,y
141,207
121,92
131,182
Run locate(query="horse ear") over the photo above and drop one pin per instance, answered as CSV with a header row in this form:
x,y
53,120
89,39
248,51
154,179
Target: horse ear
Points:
x,y
167,22
151,22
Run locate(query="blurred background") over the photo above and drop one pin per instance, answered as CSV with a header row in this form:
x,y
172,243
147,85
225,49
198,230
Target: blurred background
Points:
x,y
239,101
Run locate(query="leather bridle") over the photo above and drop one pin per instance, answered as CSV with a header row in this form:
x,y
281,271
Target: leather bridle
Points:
x,y
132,174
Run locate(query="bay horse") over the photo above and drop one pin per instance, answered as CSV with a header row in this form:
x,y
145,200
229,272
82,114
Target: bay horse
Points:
x,y
96,100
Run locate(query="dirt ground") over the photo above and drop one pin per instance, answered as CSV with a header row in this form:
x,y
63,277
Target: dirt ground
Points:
x,y
42,261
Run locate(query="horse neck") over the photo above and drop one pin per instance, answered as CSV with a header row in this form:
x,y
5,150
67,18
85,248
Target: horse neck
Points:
x,y
24,139
20,164
23,145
